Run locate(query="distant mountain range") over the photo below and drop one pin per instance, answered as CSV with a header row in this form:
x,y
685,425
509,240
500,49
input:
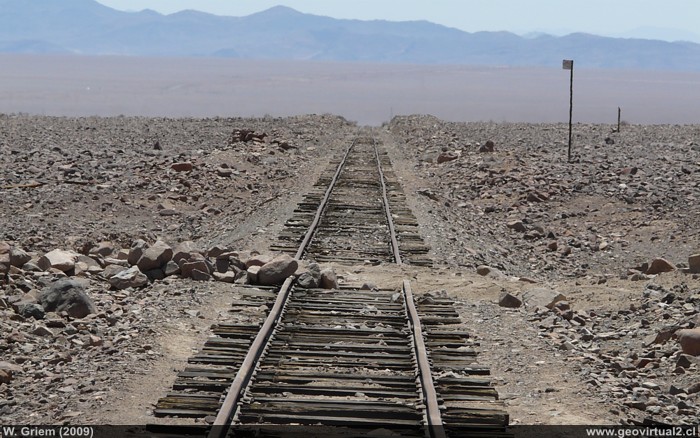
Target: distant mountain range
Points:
x,y
89,28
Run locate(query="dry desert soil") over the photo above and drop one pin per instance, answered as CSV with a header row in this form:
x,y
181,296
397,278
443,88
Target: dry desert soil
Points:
x,y
517,220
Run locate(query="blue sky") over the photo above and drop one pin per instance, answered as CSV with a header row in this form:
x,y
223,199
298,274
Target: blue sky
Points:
x,y
667,19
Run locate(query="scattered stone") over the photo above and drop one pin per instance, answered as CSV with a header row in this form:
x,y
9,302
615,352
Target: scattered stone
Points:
x,y
42,331
658,266
488,271
195,262
155,256
252,274
542,297
182,167
444,157
58,259
198,275
368,286
258,260
18,257
171,268
694,263
69,296
225,277
510,301
136,251
686,360
489,146
184,250
104,249
517,226
307,281
329,280
31,310
277,270
132,277
690,341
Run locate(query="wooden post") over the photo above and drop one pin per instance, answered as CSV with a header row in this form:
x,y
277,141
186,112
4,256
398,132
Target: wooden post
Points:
x,y
568,64
619,116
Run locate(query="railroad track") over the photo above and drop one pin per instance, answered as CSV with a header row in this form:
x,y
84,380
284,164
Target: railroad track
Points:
x,y
347,361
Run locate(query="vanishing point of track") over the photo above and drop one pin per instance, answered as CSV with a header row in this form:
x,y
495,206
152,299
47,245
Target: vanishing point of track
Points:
x,y
345,361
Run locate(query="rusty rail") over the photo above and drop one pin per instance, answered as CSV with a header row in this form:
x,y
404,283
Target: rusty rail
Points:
x,y
245,372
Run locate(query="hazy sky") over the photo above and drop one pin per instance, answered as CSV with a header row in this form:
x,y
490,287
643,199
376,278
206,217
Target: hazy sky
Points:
x,y
667,19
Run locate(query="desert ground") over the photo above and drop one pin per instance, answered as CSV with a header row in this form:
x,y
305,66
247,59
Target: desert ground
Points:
x,y
519,220
369,94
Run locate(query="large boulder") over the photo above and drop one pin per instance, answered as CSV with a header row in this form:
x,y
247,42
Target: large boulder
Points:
x,y
58,259
277,270
132,277
69,296
155,256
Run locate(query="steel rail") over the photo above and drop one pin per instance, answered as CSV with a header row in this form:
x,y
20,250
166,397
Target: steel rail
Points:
x,y
322,207
435,424
385,199
245,372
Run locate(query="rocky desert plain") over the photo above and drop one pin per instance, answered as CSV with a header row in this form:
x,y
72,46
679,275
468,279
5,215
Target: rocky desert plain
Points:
x,y
580,281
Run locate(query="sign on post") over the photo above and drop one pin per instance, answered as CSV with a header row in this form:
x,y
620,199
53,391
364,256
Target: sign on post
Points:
x,y
568,64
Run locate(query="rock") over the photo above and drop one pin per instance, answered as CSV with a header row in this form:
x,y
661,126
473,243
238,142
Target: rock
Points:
x,y
694,263
58,259
690,341
328,279
90,264
488,271
252,274
686,360
542,297
31,310
132,277
510,301
69,296
657,266
40,330
222,265
195,262
693,389
155,257
184,250
136,251
185,166
258,260
104,249
368,286
218,251
307,281
18,257
5,377
198,275
224,172
489,146
517,226
112,270
155,274
225,277
277,270
5,257
7,371
446,156
171,268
